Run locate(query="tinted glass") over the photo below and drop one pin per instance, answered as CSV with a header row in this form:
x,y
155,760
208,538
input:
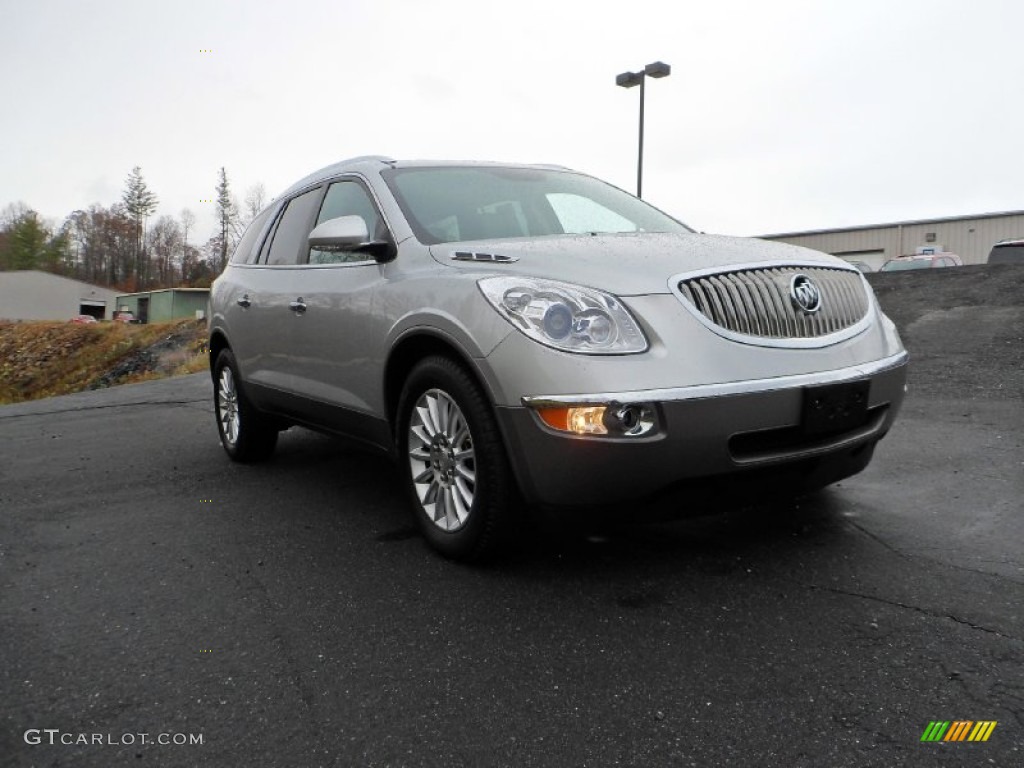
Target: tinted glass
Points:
x,y
348,198
247,245
1007,254
478,203
293,229
265,248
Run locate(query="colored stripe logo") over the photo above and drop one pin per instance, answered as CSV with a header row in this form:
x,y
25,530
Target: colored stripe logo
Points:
x,y
958,730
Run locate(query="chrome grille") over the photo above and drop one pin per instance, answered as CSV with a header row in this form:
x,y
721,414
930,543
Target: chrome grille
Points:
x,y
756,301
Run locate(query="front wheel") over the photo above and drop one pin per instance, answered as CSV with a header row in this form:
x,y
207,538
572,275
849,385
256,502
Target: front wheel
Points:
x,y
246,434
453,462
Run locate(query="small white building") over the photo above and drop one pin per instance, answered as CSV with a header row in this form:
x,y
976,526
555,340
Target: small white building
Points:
x,y
970,237
35,295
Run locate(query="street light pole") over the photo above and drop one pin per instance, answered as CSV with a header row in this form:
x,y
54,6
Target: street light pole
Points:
x,y
640,154
628,80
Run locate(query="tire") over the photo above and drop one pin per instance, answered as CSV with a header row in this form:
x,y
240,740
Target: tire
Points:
x,y
247,435
453,462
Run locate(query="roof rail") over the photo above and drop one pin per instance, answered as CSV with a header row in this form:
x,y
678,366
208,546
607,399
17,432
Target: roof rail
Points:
x,y
331,170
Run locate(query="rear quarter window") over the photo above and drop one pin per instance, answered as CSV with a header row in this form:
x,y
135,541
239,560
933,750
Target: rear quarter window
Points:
x,y
1007,254
247,249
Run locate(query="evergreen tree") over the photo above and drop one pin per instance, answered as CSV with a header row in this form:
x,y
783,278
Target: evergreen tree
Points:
x,y
28,243
139,202
227,219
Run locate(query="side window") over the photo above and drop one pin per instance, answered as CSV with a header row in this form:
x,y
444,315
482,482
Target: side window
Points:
x,y
578,215
293,228
247,244
348,198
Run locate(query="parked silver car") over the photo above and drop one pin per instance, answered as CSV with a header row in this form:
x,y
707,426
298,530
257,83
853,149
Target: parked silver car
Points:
x,y
528,335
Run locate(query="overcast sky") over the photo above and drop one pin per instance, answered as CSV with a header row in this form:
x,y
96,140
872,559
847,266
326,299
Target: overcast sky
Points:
x,y
778,116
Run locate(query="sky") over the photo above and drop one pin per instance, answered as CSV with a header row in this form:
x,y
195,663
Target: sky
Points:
x,y
778,116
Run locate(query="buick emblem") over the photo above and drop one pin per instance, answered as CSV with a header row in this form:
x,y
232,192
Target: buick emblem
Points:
x,y
804,294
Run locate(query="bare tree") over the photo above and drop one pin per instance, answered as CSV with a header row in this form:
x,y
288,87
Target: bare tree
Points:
x,y
188,223
12,214
122,249
104,245
165,240
193,267
255,199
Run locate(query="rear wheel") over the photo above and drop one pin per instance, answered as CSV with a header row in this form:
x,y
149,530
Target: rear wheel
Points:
x,y
453,462
246,434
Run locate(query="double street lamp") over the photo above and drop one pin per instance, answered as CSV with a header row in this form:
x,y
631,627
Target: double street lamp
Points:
x,y
628,80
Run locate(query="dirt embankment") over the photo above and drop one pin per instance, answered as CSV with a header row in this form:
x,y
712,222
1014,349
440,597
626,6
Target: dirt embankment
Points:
x,y
45,359
963,327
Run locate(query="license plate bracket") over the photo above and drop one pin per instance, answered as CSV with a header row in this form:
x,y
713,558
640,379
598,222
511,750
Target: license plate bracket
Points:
x,y
835,408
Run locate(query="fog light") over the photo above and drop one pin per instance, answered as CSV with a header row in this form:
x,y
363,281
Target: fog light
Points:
x,y
588,420
634,420
583,420
628,417
616,420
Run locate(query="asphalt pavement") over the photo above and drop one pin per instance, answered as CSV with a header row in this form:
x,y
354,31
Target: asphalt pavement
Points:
x,y
287,614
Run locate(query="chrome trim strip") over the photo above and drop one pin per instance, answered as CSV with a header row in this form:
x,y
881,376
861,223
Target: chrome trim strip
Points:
x,y
761,341
704,391
750,265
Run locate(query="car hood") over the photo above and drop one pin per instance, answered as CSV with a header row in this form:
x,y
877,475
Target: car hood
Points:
x,y
625,264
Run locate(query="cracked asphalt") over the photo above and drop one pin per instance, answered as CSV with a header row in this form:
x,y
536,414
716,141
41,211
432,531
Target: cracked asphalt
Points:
x,y
288,614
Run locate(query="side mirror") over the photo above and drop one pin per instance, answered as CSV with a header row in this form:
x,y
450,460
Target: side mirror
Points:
x,y
345,233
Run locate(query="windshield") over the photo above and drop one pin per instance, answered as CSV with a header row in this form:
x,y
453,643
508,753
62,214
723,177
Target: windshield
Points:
x,y
899,266
450,204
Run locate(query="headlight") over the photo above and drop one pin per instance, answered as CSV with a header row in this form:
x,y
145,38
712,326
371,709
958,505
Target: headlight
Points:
x,y
564,316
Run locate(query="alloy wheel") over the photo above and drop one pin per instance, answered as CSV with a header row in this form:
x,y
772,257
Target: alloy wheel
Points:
x,y
442,460
227,406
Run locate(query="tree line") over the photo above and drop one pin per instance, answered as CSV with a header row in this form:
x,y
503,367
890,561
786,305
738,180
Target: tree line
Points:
x,y
120,247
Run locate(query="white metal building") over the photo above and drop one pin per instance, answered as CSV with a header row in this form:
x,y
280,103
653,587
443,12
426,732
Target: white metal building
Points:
x,y
970,237
35,295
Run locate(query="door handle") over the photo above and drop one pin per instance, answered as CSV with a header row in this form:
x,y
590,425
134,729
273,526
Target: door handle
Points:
x,y
298,305
244,302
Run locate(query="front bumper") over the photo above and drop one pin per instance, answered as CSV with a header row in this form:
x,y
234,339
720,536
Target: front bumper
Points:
x,y
749,429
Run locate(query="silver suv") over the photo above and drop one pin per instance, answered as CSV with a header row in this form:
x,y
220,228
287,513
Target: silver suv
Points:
x,y
530,336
